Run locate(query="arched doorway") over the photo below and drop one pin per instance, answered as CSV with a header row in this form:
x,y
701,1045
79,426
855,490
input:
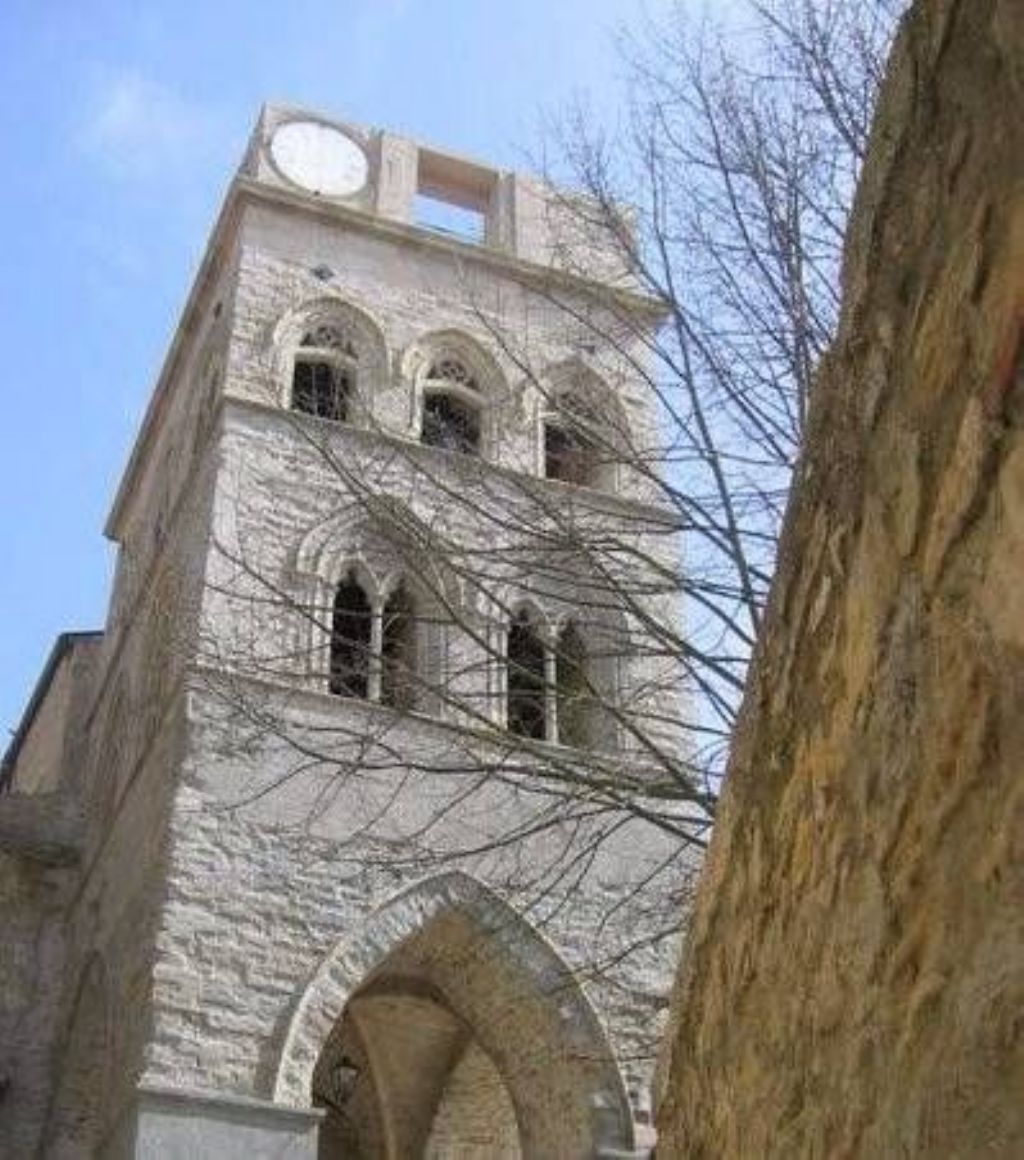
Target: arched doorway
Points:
x,y
449,1028
402,1075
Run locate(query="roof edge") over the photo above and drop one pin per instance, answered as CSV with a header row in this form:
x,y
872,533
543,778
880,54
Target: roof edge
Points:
x,y
63,645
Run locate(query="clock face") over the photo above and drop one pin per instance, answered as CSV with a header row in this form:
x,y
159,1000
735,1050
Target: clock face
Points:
x,y
319,158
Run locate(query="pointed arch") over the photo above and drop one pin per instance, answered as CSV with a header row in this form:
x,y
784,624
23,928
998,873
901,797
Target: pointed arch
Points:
x,y
340,337
583,432
548,1044
567,647
385,547
457,388
436,345
581,375
418,550
384,537
595,665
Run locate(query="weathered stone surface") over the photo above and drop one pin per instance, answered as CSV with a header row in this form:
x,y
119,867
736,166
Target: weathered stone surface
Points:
x,y
243,923
855,978
44,827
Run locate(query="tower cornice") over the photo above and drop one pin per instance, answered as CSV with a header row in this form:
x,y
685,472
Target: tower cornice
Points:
x,y
532,274
246,191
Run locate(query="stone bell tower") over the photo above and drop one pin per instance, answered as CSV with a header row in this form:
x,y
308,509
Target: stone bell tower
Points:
x,y
319,880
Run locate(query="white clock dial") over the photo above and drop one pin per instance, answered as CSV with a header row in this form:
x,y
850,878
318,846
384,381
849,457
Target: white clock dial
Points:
x,y
319,158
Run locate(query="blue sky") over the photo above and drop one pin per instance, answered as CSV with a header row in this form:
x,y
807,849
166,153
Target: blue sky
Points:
x,y
121,124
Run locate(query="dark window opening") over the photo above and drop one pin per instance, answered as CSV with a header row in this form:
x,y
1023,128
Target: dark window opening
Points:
x,y
398,651
350,641
450,424
321,389
526,708
568,456
572,689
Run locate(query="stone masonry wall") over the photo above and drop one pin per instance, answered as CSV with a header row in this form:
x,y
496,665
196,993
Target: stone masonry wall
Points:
x,y
180,946
411,292
78,954
855,979
289,524
275,860
32,959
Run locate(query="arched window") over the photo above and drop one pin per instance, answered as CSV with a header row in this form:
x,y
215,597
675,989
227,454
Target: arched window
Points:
x,y
584,429
451,416
398,683
568,455
527,710
572,689
554,690
323,377
572,451
351,641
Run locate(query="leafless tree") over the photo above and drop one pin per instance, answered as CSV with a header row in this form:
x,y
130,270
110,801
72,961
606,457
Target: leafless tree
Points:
x,y
739,153
737,156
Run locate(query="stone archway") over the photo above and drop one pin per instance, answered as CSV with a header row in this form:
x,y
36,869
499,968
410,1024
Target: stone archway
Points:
x,y
402,1075
447,1025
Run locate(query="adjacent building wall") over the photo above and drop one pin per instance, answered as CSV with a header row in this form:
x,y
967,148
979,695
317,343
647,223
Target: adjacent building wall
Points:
x,y
855,979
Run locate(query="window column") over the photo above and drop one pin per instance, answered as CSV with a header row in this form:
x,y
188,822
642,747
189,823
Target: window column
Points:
x,y
550,691
376,647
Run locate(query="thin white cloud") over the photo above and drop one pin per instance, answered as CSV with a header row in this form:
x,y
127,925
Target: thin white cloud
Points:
x,y
139,129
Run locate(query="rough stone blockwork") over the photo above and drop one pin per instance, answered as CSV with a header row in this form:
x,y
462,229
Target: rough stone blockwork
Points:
x,y
855,981
268,914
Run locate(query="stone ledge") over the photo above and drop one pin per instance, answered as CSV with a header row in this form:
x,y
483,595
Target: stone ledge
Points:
x,y
229,1104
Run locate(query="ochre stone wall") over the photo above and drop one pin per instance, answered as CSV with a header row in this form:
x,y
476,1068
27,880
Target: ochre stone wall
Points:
x,y
855,979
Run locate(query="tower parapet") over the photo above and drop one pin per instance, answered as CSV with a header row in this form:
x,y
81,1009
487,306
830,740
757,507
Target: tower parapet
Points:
x,y
402,181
